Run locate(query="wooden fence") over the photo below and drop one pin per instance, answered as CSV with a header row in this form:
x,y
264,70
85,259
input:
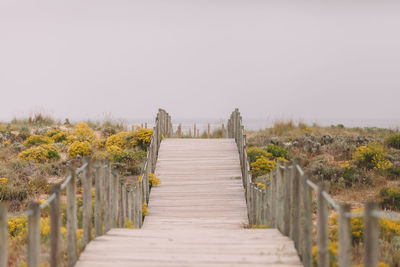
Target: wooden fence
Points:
x,y
115,202
286,203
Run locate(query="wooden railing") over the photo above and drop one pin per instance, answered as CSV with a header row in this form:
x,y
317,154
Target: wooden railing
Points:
x,y
286,203
115,202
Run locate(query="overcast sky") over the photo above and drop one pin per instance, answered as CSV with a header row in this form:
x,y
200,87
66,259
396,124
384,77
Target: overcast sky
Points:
x,y
200,59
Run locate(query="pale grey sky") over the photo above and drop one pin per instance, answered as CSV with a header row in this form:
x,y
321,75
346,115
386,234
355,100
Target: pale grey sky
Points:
x,y
300,59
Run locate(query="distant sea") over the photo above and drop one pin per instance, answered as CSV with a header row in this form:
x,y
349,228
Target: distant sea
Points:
x,y
259,123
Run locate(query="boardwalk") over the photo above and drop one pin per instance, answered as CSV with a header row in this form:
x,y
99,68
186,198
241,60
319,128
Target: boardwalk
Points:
x,y
196,216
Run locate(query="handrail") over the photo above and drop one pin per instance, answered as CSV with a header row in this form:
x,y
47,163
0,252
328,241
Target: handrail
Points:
x,y
121,202
286,203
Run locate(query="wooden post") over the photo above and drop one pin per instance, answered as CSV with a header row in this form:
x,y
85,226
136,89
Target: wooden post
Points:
x,y
344,236
286,197
55,228
208,131
258,206
33,235
198,133
194,131
307,241
136,205
140,204
132,205
145,125
87,203
322,225
371,235
122,206
71,220
223,131
128,204
296,220
115,201
107,198
97,203
273,198
4,235
180,131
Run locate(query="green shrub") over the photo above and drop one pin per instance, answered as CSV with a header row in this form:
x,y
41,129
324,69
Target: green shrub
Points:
x,y
40,154
372,156
393,141
390,197
262,166
277,151
254,153
36,140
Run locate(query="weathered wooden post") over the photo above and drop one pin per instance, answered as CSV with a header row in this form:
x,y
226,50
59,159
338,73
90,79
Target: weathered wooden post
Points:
x,y
55,228
107,198
97,205
180,131
371,235
71,220
286,197
33,235
115,197
344,236
307,241
273,197
145,125
87,202
4,235
208,131
322,225
296,220
122,205
127,204
223,131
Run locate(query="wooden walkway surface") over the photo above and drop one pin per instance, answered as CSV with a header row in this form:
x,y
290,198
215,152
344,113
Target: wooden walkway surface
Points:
x,y
196,216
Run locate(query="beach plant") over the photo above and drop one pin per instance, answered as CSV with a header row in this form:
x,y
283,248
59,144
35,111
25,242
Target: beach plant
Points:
x,y
79,148
36,140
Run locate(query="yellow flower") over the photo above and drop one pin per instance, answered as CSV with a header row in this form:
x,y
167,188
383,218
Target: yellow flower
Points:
x,y
79,148
153,179
3,181
145,210
6,143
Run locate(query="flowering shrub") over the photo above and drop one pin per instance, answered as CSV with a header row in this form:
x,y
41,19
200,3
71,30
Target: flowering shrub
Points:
x,y
40,154
142,136
83,133
153,179
371,157
277,151
60,137
6,143
3,181
99,143
79,148
52,132
118,140
262,166
393,141
17,226
36,140
254,153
